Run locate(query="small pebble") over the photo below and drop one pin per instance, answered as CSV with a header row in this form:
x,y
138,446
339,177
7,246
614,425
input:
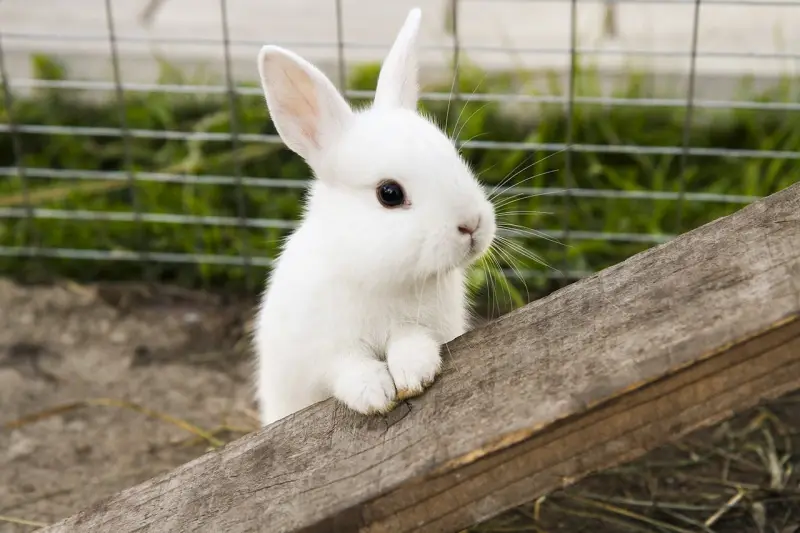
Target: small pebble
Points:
x,y
21,446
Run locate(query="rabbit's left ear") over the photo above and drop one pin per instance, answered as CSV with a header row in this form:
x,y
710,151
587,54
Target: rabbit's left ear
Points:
x,y
307,110
397,81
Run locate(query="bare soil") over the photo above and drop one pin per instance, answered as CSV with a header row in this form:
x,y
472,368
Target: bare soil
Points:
x,y
105,386
73,352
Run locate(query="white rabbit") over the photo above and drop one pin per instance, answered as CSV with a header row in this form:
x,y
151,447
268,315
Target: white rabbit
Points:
x,y
371,283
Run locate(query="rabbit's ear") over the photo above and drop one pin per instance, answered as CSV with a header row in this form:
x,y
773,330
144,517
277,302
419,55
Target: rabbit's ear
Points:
x,y
397,82
308,111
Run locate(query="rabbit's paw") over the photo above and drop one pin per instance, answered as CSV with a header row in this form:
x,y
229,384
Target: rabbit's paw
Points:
x,y
414,361
365,386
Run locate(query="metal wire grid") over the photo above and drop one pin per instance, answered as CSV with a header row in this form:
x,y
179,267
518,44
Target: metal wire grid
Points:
x,y
235,137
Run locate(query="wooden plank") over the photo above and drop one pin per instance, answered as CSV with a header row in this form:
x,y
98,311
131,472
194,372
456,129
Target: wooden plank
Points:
x,y
600,372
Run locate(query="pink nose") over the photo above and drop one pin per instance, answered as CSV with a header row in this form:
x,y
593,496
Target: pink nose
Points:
x,y
466,230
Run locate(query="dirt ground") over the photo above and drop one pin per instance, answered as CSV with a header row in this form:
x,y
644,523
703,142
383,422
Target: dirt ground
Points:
x,y
103,387
177,353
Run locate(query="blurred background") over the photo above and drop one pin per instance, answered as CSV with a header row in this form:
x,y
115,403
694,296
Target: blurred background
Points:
x,y
144,191
136,144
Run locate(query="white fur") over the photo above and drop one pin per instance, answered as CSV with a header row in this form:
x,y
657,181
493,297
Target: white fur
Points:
x,y
362,297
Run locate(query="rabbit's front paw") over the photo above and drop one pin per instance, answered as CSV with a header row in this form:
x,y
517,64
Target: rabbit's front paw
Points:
x,y
364,385
414,361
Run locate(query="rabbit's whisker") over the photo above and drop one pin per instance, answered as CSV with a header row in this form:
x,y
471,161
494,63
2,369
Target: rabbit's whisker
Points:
x,y
524,212
511,173
516,270
516,247
472,139
493,272
464,125
479,174
497,190
450,96
514,172
500,280
486,266
518,197
516,228
464,106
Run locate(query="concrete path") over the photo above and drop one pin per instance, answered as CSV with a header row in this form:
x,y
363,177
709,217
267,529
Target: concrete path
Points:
x,y
189,32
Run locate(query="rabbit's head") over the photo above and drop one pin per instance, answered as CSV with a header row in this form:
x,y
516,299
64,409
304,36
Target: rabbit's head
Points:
x,y
392,194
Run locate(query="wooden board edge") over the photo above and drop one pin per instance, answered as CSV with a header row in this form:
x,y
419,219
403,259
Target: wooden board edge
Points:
x,y
510,439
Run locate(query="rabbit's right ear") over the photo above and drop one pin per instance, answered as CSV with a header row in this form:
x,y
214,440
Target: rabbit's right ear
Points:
x,y
308,111
397,81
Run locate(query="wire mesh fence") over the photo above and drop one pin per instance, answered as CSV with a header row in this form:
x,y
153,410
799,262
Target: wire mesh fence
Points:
x,y
184,179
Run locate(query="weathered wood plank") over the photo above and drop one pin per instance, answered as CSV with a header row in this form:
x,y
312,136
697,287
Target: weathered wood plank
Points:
x,y
597,373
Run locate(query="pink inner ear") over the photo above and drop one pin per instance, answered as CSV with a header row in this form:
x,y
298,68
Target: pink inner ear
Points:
x,y
298,100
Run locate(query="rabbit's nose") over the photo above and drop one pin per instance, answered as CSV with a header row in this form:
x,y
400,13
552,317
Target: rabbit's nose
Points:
x,y
468,228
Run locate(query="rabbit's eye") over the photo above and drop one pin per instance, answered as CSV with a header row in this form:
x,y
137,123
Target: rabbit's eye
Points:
x,y
391,194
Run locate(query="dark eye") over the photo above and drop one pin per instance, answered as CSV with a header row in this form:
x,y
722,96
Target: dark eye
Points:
x,y
391,194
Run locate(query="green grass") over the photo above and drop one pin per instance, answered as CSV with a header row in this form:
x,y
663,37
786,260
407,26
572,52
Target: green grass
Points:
x,y
592,124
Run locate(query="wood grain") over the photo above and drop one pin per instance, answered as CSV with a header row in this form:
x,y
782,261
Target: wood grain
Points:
x,y
600,372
